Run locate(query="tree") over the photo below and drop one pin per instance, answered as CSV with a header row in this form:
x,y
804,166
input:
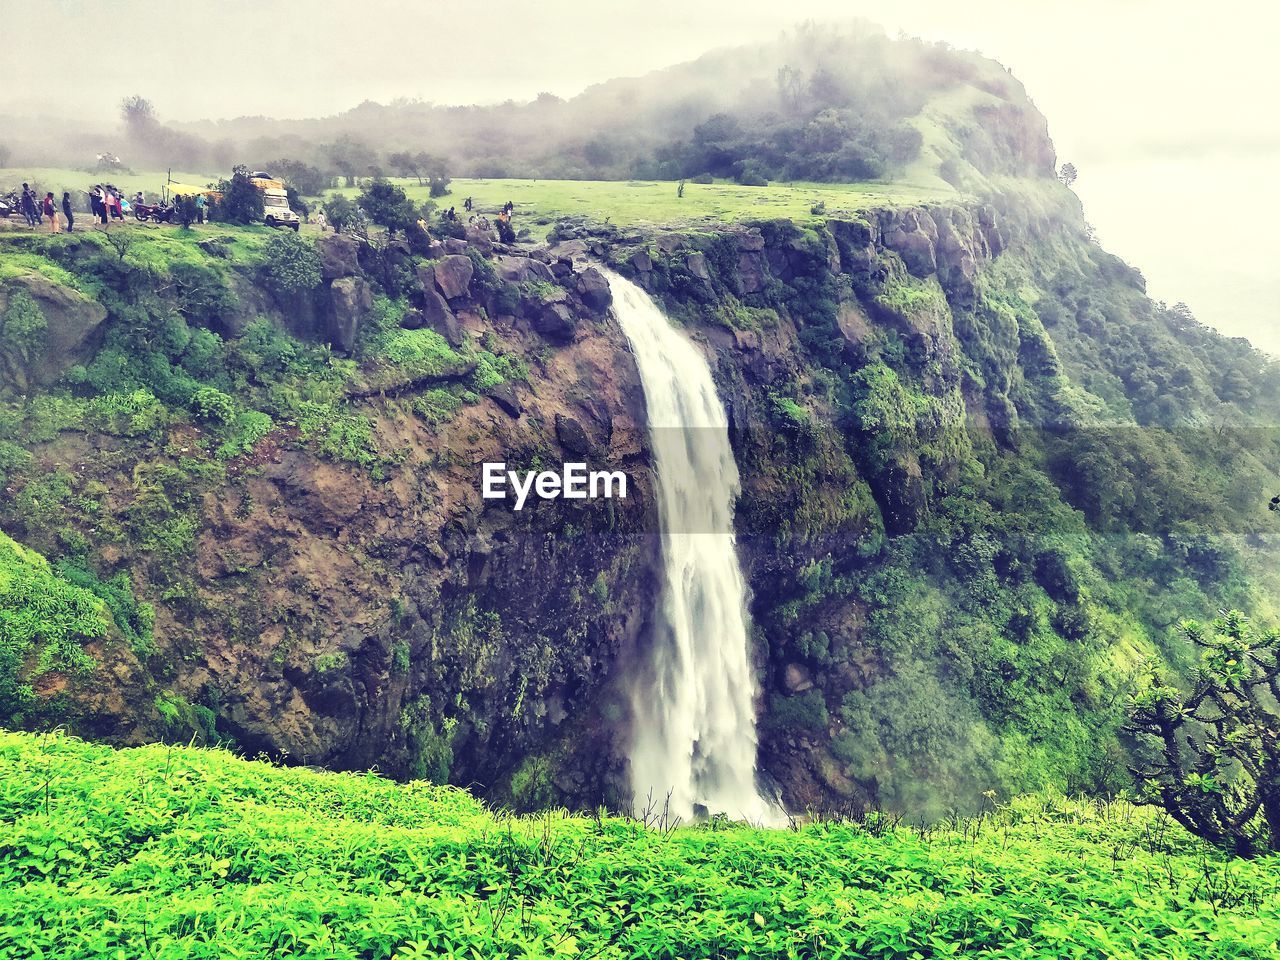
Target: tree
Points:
x,y
1067,173
1211,756
292,264
385,203
241,201
790,88
435,169
351,157
340,212
406,164
303,177
121,241
153,142
295,201
440,186
599,151
138,114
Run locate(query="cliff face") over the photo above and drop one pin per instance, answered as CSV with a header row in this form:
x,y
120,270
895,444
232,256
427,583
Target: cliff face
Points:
x,y
355,605
980,486
965,513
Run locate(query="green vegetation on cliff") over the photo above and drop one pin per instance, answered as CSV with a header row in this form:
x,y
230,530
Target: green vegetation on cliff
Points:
x,y
984,478
43,618
539,203
179,853
244,447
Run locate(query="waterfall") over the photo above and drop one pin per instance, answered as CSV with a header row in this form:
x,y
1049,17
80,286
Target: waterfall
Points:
x,y
695,732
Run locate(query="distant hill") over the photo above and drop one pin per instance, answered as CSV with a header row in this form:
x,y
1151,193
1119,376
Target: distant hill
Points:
x,y
820,103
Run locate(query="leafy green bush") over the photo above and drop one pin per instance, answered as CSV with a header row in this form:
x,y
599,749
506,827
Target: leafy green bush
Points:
x,y
802,712
241,201
213,405
127,414
135,621
11,456
44,622
244,432
437,406
22,338
227,857
338,434
340,212
292,264
386,204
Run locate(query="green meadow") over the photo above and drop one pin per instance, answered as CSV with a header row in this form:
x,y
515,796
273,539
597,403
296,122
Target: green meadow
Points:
x,y
540,202
177,853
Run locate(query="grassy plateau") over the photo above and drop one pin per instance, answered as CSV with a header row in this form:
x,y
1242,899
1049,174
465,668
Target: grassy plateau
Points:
x,y
173,852
541,202
649,201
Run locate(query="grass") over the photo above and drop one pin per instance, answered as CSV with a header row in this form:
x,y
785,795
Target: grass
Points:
x,y
540,202
172,852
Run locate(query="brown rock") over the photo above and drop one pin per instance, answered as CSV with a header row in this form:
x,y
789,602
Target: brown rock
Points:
x,y
593,287
480,238
453,276
573,436
338,256
555,322
569,250
520,269
504,395
350,299
437,315
797,678
750,273
73,320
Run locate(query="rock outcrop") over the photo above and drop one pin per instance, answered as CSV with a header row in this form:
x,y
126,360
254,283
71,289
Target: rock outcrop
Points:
x,y
73,323
453,276
350,300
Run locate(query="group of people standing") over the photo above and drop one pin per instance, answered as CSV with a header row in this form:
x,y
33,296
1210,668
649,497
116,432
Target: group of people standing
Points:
x,y
36,210
106,201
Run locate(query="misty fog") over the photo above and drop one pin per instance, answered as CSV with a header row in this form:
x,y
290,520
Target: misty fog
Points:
x,y
1175,164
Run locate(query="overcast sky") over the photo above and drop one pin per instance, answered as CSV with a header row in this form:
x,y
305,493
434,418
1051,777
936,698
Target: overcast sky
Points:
x,y
1169,108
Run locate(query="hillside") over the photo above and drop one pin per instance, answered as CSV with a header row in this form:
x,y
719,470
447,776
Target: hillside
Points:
x,y
983,478
825,102
186,853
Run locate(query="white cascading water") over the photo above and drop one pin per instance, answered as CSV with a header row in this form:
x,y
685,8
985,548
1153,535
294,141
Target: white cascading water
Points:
x,y
695,729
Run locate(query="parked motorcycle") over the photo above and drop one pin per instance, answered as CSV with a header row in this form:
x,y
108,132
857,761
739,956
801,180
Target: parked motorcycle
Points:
x,y
156,213
9,205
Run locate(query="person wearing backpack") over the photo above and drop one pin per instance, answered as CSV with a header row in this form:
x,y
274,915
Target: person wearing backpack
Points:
x,y
29,206
51,211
